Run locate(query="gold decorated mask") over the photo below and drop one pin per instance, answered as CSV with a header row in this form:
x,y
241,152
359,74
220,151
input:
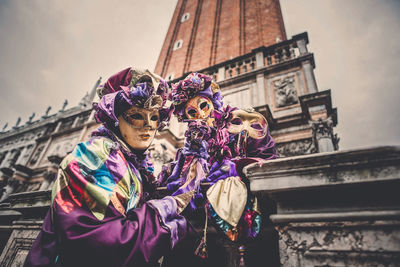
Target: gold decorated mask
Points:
x,y
247,124
138,126
199,107
252,123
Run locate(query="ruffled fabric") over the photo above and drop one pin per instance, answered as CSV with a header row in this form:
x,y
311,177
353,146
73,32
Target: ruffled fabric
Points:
x,y
249,225
131,87
195,84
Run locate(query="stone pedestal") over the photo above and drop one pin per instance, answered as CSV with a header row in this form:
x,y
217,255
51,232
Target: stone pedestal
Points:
x,y
22,237
334,209
21,221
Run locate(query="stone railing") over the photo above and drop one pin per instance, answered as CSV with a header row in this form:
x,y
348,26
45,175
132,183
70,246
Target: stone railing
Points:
x,y
261,57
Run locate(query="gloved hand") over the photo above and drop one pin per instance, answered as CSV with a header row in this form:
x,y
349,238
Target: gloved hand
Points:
x,y
220,171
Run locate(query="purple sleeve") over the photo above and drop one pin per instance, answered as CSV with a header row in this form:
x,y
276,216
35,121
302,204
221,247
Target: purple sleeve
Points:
x,y
78,238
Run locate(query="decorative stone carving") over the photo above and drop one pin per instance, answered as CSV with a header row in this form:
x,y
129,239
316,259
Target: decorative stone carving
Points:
x,y
323,136
31,118
67,124
285,91
323,128
85,100
20,242
334,209
49,176
64,105
47,112
4,127
336,140
18,122
2,156
51,128
339,244
27,153
12,184
296,148
83,118
14,157
36,156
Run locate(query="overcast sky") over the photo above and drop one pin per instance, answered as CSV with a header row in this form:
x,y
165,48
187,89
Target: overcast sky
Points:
x,y
52,50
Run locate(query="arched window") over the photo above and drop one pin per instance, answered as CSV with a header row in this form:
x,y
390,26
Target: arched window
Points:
x,y
185,17
178,44
170,77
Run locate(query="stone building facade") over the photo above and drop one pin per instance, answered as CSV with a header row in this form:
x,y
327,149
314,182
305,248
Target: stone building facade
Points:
x,y
243,45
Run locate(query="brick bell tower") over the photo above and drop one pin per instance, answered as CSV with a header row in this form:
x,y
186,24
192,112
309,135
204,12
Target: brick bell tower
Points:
x,y
242,44
203,33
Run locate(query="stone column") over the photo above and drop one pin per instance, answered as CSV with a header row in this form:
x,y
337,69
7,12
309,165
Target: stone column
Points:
x,y
5,159
323,135
75,122
25,153
221,74
260,59
259,94
9,188
44,150
49,176
302,46
57,127
91,116
12,158
310,78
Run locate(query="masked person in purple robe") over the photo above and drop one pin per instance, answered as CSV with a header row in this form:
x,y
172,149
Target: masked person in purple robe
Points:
x,y
101,213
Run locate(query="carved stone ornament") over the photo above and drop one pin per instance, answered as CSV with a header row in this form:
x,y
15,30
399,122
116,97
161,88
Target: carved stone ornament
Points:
x,y
14,157
323,135
296,148
285,91
2,156
322,128
85,100
338,244
36,156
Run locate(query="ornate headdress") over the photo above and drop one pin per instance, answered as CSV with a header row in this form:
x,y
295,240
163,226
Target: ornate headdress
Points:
x,y
195,84
131,87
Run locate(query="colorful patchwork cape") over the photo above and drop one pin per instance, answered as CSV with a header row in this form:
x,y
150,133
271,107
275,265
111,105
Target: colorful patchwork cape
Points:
x,y
98,216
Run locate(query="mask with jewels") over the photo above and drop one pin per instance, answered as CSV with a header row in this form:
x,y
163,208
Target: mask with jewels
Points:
x,y
138,126
247,124
199,108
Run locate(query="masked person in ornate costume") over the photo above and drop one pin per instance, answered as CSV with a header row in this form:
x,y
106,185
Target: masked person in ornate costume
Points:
x,y
101,214
234,139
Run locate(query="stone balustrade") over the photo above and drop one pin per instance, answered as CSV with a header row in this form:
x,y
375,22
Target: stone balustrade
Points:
x,y
262,57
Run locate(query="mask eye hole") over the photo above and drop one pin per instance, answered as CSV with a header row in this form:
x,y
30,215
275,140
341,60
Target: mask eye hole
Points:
x,y
204,105
192,112
256,126
236,121
135,116
154,118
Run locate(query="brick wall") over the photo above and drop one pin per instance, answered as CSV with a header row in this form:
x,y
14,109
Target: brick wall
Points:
x,y
218,30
